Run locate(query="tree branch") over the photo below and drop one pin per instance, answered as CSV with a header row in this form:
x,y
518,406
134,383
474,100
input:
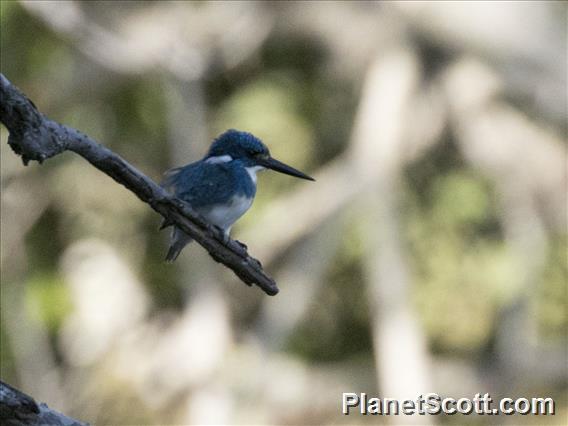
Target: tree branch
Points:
x,y
17,408
35,137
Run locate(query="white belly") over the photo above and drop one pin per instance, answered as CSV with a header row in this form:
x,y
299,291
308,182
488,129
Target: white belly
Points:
x,y
225,215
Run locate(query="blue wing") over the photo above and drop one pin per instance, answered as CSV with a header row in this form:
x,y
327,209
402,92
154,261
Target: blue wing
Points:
x,y
204,184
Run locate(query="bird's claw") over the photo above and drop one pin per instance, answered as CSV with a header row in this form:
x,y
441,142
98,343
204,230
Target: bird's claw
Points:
x,y
243,245
226,238
166,223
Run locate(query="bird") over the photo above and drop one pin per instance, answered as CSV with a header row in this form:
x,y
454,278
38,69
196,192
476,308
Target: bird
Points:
x,y
222,185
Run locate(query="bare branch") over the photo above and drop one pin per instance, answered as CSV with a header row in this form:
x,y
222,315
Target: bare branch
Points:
x,y
35,137
17,408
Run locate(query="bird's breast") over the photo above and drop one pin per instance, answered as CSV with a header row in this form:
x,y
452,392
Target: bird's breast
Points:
x,y
226,214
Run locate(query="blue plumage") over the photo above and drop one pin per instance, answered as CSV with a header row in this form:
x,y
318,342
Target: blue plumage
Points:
x,y
239,145
201,183
222,186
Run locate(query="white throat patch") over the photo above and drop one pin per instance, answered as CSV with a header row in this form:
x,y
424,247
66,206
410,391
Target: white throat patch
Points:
x,y
219,159
252,172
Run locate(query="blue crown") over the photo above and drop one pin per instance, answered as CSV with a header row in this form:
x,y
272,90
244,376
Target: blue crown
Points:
x,y
237,144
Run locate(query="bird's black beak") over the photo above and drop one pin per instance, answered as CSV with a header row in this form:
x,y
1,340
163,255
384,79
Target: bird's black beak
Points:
x,y
271,163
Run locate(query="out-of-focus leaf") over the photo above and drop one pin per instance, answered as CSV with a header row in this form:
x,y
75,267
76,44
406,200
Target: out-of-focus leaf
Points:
x,y
48,300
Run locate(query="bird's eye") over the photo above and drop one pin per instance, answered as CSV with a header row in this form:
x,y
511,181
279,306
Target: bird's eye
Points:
x,y
260,155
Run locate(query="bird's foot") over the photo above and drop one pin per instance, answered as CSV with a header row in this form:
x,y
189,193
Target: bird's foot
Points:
x,y
243,245
165,223
226,238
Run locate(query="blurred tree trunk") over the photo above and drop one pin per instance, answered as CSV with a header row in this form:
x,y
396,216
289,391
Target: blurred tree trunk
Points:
x,y
399,343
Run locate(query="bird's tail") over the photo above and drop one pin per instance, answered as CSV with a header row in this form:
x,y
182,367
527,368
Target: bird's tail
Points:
x,y
179,240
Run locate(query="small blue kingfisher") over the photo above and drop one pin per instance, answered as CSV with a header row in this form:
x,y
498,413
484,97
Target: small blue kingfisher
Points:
x,y
222,186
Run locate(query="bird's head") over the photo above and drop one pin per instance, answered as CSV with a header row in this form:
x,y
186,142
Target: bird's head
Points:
x,y
247,148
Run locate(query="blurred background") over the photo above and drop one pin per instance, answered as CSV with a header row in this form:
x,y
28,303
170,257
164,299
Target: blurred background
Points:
x,y
429,256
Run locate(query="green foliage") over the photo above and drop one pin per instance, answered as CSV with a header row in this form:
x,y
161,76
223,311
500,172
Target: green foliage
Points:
x,y
48,300
552,297
337,326
462,267
7,361
39,51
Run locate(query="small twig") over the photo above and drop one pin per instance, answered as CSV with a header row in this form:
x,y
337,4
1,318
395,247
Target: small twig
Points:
x,y
35,137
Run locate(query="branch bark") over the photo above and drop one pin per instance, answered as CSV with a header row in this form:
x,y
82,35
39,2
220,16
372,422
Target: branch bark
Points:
x,y
35,137
18,409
